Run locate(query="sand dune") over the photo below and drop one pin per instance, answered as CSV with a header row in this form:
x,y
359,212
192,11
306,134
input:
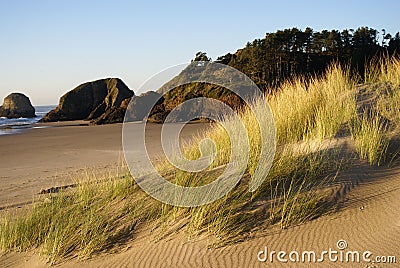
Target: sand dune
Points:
x,y
368,219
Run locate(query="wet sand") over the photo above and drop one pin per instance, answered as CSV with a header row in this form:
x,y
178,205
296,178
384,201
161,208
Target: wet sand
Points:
x,y
59,153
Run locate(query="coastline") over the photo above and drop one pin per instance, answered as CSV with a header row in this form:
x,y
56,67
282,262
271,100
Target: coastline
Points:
x,y
19,125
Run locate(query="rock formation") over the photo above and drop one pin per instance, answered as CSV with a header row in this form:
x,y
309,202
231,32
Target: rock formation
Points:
x,y
99,101
112,115
17,105
140,105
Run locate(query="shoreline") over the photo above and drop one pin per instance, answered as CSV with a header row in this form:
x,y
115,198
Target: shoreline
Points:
x,y
9,126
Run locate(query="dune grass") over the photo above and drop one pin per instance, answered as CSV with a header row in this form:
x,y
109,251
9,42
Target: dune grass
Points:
x,y
98,216
372,130
316,108
388,102
293,177
371,140
384,70
89,218
384,73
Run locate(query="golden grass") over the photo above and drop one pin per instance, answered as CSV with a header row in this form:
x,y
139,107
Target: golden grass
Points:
x,y
385,74
384,70
371,140
81,221
388,102
314,109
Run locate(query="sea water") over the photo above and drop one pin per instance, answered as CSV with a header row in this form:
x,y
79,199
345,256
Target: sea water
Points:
x,y
15,125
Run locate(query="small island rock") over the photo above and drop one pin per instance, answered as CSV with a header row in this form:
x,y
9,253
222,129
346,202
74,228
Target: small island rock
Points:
x,y
17,105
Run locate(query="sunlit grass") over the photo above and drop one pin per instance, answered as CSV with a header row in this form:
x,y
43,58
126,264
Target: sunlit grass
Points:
x,y
81,221
384,70
371,140
314,109
384,74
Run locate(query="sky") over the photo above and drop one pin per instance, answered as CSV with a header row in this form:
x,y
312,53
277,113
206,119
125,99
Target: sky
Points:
x,y
49,47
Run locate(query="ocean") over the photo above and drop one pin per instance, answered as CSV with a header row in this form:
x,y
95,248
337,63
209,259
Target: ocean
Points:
x,y
12,126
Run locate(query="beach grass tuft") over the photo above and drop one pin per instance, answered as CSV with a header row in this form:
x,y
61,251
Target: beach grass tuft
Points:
x,y
371,138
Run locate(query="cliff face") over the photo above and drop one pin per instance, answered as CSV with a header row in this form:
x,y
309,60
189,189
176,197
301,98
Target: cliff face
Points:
x,y
92,100
17,105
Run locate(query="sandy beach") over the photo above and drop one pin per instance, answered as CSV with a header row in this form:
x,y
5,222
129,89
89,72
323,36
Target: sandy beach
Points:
x,y
59,153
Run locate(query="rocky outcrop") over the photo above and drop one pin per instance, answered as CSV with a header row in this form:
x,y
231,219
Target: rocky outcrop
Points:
x,y
112,115
17,105
140,105
98,101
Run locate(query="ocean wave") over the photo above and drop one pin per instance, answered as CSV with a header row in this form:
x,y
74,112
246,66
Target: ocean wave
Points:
x,y
19,123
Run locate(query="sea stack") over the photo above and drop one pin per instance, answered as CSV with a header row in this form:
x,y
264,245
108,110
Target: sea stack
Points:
x,y
17,105
92,100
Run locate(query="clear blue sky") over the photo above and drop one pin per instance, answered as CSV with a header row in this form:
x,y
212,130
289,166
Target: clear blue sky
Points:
x,y
49,47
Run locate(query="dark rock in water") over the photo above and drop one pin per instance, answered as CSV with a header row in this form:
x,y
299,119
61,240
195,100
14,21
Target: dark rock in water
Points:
x,y
144,106
97,101
17,105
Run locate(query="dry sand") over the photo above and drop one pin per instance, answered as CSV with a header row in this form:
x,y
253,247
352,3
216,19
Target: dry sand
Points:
x,y
368,219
